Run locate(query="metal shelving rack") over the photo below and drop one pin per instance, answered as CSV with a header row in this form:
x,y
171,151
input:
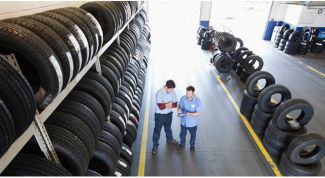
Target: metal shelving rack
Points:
x,y
37,127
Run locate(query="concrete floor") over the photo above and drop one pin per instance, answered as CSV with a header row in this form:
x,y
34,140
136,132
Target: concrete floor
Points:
x,y
224,147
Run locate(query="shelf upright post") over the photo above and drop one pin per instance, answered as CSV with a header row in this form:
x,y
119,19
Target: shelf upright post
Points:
x,y
43,140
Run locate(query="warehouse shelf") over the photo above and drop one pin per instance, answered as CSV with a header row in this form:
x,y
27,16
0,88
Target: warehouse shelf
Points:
x,y
44,115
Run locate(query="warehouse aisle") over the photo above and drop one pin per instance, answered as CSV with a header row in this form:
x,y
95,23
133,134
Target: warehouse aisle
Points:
x,y
223,146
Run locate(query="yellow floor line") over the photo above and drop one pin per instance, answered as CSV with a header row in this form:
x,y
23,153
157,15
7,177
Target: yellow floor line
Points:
x,y
143,149
313,69
249,128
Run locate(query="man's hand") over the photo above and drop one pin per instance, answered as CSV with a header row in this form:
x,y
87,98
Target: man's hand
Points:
x,y
179,110
188,114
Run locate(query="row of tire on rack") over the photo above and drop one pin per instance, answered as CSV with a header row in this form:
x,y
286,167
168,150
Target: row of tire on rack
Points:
x,y
294,42
93,129
279,120
231,53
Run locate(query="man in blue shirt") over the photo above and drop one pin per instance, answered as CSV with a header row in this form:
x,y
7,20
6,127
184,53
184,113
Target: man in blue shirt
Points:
x,y
166,101
189,107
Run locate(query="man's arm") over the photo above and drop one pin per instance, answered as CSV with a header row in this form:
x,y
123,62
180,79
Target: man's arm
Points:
x,y
197,110
160,103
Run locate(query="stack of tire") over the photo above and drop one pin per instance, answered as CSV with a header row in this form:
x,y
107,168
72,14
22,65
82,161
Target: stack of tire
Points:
x,y
224,61
297,160
317,45
67,38
282,129
200,33
265,106
79,130
285,38
306,39
114,155
248,63
17,105
279,35
292,46
208,39
251,94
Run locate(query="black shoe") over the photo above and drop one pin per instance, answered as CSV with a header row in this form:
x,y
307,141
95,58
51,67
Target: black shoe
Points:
x,y
172,142
154,150
180,146
192,148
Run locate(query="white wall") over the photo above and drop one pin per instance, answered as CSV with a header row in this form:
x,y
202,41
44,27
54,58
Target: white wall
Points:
x,y
293,14
9,9
205,10
278,11
310,17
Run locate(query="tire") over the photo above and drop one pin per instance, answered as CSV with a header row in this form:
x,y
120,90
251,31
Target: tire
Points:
x,y
111,128
98,91
250,61
110,140
226,42
224,63
116,62
19,105
67,37
134,120
120,110
297,145
241,43
104,17
111,77
34,57
260,120
112,67
31,165
265,97
123,105
243,56
131,134
124,167
291,105
128,86
135,112
7,128
92,23
244,76
70,149
75,125
254,78
283,136
240,69
92,173
126,153
83,27
125,97
294,36
288,168
99,78
286,34
128,79
247,105
82,112
118,121
284,28
238,52
76,31
54,41
91,102
104,160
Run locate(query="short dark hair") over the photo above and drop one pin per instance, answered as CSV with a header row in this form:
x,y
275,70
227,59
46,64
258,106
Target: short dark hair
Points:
x,y
190,88
170,84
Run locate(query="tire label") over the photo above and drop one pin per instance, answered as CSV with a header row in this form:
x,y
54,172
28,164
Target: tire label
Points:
x,y
12,60
75,43
127,150
69,56
58,71
122,164
118,174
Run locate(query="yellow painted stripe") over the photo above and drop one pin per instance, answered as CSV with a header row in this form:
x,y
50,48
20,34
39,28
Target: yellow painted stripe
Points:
x,y
143,150
313,69
249,128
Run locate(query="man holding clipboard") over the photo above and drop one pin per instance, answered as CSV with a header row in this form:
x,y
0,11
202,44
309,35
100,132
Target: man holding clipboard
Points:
x,y
189,108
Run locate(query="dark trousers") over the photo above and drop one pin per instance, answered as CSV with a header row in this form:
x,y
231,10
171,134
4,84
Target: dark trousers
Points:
x,y
183,133
160,121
